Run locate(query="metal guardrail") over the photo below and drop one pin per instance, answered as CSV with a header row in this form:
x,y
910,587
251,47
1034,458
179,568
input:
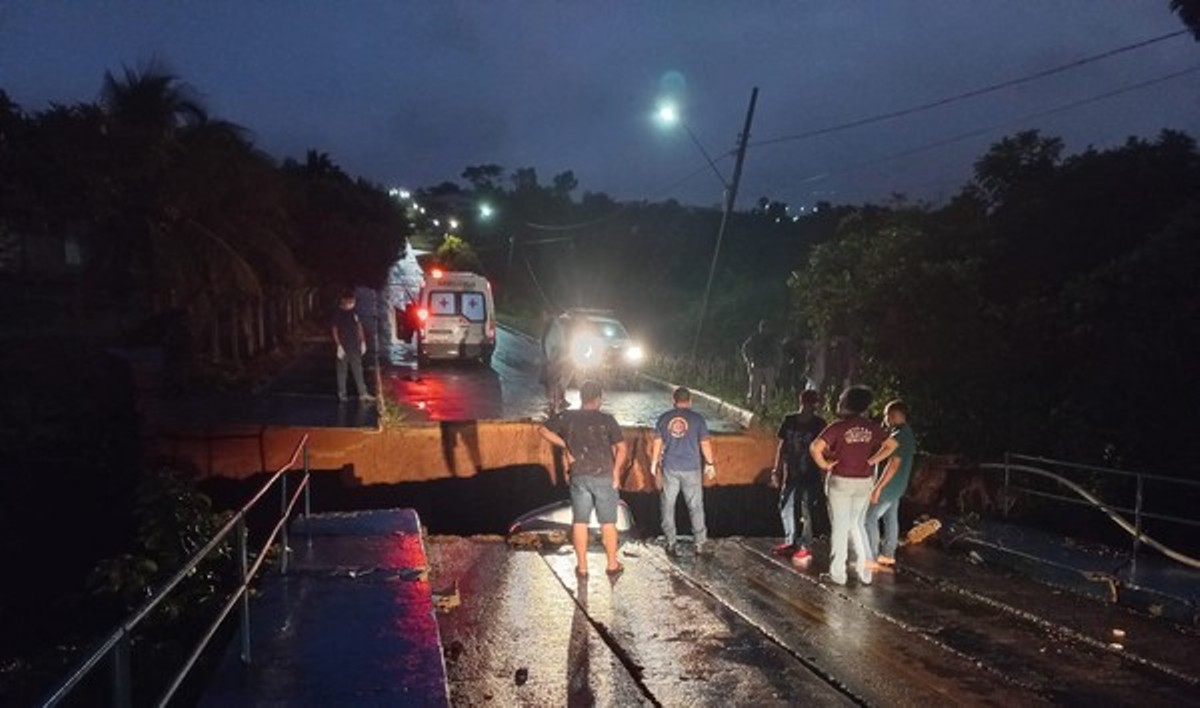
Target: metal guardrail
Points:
x,y
1058,469
117,645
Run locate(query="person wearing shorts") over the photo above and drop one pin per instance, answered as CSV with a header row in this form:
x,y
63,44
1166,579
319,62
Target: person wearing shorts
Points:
x,y
595,453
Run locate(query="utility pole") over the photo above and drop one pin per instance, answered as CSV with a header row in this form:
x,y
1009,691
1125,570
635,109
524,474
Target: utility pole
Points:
x,y
730,198
512,247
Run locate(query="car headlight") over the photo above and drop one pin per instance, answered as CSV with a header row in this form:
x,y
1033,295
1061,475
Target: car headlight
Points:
x,y
634,354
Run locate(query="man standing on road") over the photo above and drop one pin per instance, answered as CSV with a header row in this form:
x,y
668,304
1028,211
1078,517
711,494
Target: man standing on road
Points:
x,y
762,355
555,361
798,477
351,343
683,450
892,483
595,454
848,451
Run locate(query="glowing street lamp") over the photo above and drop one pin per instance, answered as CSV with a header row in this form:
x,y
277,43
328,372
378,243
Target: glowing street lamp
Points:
x,y
453,224
486,211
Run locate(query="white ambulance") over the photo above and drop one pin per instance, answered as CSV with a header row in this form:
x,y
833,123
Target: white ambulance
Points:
x,y
456,317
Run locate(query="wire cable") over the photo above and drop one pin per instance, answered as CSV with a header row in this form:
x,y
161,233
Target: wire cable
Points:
x,y
1000,126
991,88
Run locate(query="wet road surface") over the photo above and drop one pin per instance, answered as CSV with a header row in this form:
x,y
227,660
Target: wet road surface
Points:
x,y
509,389
741,627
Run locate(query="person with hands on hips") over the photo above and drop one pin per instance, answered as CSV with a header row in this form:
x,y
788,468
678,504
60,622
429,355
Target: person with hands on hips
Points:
x,y
594,454
847,450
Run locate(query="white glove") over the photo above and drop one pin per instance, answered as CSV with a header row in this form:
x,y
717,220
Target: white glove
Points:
x,y
341,353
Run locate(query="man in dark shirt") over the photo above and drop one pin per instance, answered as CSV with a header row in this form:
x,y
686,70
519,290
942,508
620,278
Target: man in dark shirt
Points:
x,y
848,451
683,449
595,454
798,477
762,355
351,345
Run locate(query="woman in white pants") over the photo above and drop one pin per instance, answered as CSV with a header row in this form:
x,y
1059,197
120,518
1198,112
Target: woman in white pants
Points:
x,y
847,451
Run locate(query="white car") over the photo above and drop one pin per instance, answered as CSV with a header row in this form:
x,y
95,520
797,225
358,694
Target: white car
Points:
x,y
595,345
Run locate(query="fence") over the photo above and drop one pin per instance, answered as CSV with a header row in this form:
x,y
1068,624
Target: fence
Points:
x,y
117,646
1105,483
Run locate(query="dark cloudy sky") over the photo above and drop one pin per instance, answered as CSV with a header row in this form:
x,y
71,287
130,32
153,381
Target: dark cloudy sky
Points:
x,y
409,93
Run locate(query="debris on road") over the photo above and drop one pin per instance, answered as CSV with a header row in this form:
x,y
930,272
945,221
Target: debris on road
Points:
x,y
447,599
922,530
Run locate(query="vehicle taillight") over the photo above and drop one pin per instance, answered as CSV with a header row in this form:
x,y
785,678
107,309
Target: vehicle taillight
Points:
x,y
422,314
437,273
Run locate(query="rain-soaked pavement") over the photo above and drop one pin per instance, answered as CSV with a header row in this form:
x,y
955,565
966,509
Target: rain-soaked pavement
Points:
x,y
742,627
509,389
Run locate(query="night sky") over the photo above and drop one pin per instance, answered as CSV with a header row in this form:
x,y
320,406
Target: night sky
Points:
x,y
409,93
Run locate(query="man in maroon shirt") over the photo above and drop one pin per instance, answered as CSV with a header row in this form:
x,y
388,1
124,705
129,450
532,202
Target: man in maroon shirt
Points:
x,y
848,451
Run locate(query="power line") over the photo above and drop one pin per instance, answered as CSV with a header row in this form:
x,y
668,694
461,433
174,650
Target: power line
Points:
x,y
881,117
1000,126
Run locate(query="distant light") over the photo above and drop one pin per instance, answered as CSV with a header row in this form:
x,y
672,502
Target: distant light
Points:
x,y
453,224
486,211
436,222
668,113
437,273
795,219
634,354
405,194
422,210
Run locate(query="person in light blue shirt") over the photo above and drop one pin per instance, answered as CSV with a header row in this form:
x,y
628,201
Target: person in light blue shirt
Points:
x,y
683,451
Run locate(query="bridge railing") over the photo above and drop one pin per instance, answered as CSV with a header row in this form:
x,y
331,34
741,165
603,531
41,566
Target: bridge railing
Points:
x,y
116,648
1116,493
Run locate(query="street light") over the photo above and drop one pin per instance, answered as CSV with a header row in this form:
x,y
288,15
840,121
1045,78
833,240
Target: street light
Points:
x,y
453,223
486,211
668,113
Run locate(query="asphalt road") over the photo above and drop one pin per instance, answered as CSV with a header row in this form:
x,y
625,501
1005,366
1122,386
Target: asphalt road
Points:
x,y
741,627
509,389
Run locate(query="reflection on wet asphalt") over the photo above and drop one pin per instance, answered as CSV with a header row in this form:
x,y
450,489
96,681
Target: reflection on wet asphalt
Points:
x,y
508,389
741,627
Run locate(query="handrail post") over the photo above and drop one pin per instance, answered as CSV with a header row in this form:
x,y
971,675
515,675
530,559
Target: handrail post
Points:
x,y
122,681
283,532
244,572
1007,503
1137,525
307,488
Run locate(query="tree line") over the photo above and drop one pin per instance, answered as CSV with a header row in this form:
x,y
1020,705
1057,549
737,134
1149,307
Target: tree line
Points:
x,y
143,211
1045,307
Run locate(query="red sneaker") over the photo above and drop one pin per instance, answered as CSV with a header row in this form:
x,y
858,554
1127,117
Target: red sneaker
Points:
x,y
783,549
801,555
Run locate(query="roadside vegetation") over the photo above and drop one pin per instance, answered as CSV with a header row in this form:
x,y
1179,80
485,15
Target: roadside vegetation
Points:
x,y
147,248
1044,307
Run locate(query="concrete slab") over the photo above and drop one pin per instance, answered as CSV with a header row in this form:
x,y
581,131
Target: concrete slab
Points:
x,y
351,624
